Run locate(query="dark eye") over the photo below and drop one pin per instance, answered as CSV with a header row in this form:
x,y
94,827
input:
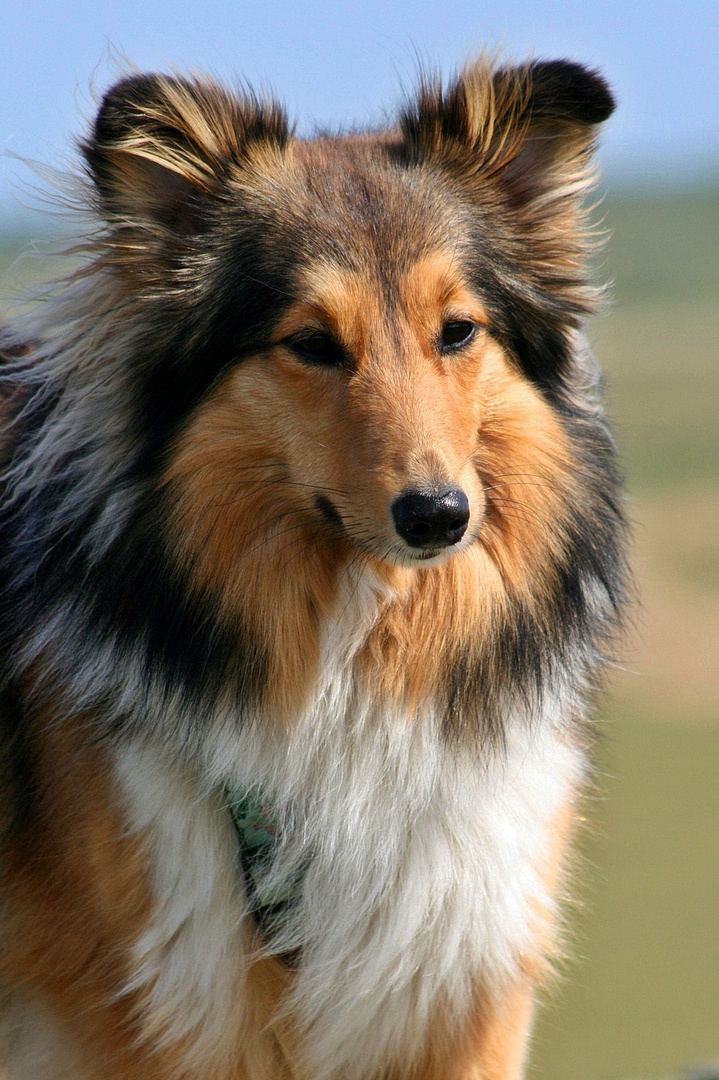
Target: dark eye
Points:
x,y
318,348
456,333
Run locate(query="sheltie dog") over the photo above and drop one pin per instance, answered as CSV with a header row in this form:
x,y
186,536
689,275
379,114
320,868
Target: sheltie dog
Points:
x,y
311,550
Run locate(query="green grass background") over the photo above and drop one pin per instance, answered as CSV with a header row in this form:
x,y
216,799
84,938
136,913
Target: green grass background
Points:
x,y
639,993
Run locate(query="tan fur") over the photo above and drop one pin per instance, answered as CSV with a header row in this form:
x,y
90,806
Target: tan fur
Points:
x,y
77,899
271,1044
521,456
500,1052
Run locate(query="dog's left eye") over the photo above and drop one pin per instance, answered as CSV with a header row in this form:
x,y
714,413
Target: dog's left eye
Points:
x,y
456,333
318,348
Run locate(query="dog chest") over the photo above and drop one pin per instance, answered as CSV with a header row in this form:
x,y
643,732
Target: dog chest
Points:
x,y
416,871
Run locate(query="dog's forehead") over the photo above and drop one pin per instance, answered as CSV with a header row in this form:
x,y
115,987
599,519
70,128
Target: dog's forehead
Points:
x,y
353,201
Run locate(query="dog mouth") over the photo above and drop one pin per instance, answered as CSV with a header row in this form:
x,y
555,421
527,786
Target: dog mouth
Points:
x,y
418,539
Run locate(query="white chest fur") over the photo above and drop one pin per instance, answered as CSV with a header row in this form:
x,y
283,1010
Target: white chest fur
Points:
x,y
421,871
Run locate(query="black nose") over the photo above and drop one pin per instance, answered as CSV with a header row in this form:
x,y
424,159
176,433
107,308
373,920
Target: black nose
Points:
x,y
432,520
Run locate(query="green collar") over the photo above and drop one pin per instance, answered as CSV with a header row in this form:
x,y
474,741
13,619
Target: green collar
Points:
x,y
259,835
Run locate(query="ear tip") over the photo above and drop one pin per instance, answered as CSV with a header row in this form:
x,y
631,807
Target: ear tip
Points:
x,y
110,121
130,92
579,93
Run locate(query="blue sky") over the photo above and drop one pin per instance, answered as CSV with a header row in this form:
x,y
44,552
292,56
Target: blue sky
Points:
x,y
345,62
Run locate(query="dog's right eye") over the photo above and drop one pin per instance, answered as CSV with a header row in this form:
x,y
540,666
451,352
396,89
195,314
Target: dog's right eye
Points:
x,y
319,349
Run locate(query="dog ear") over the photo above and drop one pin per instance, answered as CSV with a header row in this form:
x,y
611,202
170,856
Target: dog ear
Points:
x,y
162,147
527,130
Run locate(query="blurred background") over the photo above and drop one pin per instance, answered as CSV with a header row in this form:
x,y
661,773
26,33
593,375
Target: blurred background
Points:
x,y
639,996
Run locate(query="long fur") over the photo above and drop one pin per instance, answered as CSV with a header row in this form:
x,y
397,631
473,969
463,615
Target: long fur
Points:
x,y
205,436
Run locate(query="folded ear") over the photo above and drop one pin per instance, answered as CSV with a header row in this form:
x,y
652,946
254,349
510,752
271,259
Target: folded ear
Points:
x,y
162,147
528,129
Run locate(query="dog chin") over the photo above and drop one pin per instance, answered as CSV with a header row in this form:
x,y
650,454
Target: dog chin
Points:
x,y
415,558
